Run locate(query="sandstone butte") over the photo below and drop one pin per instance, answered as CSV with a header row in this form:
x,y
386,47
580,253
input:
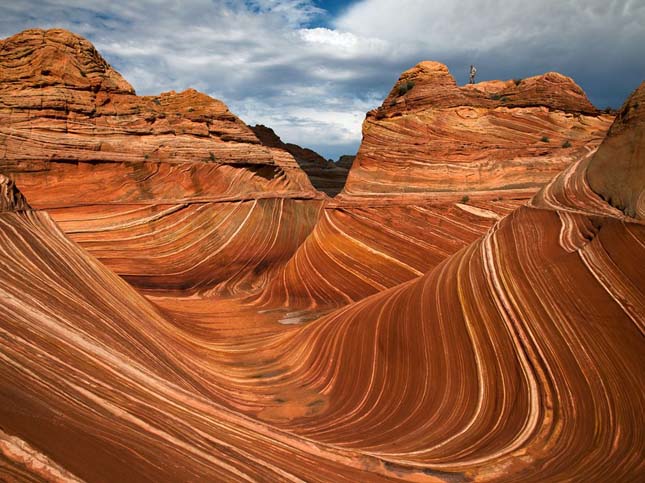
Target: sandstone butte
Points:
x,y
151,184
511,352
165,190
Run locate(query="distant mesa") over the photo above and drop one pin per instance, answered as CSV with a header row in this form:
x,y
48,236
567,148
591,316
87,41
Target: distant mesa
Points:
x,y
346,161
326,176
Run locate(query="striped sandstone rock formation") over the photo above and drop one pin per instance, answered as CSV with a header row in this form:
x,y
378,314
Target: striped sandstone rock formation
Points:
x,y
439,164
517,358
148,184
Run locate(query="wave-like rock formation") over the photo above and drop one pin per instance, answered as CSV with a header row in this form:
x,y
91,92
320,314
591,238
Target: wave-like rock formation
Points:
x,y
517,358
326,176
148,184
439,164
96,385
356,250
227,247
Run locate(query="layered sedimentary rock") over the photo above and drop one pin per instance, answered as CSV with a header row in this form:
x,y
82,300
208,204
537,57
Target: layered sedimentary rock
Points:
x,y
517,358
325,175
438,165
62,105
359,249
482,137
228,247
126,173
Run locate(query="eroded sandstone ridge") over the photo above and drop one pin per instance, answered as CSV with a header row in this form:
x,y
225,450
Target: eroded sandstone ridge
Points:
x,y
63,105
164,189
516,359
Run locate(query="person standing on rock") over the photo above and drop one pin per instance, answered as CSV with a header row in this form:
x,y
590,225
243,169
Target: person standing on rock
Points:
x,y
473,71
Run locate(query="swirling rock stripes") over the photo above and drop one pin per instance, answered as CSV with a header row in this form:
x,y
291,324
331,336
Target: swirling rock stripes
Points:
x,y
492,364
450,336
356,251
110,389
196,246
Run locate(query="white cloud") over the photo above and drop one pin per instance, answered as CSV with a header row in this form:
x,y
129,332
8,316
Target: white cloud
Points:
x,y
476,25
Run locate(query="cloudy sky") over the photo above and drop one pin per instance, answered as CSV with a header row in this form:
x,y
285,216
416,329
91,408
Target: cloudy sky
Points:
x,y
312,68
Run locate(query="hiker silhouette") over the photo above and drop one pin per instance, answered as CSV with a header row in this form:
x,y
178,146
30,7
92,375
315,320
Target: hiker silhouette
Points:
x,y
473,72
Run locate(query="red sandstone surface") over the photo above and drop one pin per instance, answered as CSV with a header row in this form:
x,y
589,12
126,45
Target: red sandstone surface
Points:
x,y
490,136
184,319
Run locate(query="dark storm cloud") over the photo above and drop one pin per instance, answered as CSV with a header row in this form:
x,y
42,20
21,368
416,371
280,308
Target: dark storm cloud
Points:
x,y
290,65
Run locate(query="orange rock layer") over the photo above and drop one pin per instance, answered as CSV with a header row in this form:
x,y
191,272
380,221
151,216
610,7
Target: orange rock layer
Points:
x,y
485,137
439,164
138,180
457,329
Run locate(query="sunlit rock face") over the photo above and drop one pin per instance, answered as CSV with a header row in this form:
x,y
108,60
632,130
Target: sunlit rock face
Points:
x,y
517,358
431,135
165,190
439,164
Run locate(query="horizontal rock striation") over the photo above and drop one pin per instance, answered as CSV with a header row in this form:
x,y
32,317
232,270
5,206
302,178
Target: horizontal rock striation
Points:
x,y
63,108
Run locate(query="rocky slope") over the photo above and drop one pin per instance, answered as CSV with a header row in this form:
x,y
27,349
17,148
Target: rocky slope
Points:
x,y
137,180
439,164
517,358
325,175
